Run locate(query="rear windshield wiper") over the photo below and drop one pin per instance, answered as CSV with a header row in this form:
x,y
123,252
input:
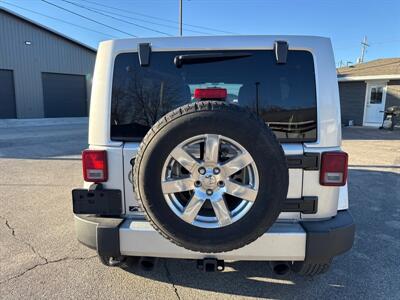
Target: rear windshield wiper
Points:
x,y
189,59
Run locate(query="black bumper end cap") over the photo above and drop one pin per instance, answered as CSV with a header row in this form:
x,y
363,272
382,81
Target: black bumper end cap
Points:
x,y
101,234
329,238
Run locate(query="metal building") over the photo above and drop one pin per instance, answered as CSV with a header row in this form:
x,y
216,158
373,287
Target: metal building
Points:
x,y
42,72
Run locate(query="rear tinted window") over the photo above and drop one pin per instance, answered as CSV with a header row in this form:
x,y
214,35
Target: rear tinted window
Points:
x,y
283,95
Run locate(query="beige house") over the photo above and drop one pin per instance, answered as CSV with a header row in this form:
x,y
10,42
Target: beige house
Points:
x,y
367,89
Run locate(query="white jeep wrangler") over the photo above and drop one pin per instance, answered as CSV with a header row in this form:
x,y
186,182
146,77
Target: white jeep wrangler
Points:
x,y
213,149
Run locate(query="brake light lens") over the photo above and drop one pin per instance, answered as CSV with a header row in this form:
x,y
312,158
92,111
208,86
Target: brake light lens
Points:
x,y
210,93
333,168
94,163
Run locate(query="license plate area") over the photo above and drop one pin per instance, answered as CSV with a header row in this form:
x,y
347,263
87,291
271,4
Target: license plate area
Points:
x,y
99,202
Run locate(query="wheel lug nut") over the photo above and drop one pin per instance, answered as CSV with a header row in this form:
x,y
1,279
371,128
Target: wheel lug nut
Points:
x,y
221,183
209,192
197,183
216,171
202,171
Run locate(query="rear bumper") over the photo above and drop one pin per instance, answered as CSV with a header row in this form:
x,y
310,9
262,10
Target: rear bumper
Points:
x,y
313,241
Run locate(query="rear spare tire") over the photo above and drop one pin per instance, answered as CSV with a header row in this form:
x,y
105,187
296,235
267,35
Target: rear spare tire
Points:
x,y
211,177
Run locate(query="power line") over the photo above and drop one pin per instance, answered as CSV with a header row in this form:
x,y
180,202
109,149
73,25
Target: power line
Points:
x,y
158,18
370,44
57,19
385,42
87,18
142,20
118,19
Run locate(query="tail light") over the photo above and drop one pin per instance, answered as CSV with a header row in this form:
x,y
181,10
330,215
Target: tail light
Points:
x,y
333,168
94,163
210,93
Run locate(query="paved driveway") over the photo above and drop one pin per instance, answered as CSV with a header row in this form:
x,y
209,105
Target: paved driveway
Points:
x,y
40,258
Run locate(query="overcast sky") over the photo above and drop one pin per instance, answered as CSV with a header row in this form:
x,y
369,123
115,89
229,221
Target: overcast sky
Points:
x,y
345,22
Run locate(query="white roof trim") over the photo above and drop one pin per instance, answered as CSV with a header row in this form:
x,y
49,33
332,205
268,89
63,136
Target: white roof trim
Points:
x,y
47,28
368,77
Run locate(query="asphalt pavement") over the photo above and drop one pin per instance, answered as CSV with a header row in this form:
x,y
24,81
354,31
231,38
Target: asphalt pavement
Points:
x,y
40,257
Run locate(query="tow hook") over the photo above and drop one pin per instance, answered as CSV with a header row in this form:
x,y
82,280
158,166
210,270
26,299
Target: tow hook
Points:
x,y
210,265
115,261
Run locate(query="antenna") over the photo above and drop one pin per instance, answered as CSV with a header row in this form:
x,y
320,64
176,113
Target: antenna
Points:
x,y
364,45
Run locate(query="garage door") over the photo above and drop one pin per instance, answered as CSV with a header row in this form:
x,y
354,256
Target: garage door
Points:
x,y
7,96
64,95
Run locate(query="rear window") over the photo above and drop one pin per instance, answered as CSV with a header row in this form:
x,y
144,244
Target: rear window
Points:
x,y
282,94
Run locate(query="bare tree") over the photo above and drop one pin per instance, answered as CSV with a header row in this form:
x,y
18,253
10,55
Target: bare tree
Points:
x,y
146,97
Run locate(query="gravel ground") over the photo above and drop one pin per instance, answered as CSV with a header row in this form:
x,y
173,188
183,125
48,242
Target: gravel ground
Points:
x,y
40,257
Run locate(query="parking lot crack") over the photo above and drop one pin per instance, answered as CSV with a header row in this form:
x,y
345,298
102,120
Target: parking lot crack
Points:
x,y
12,229
43,260
169,277
9,227
46,262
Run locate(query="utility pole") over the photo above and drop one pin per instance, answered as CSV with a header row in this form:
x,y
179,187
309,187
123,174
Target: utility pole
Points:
x,y
364,45
180,17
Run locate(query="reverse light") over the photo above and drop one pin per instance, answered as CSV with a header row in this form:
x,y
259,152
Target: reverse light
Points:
x,y
333,168
210,93
94,163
